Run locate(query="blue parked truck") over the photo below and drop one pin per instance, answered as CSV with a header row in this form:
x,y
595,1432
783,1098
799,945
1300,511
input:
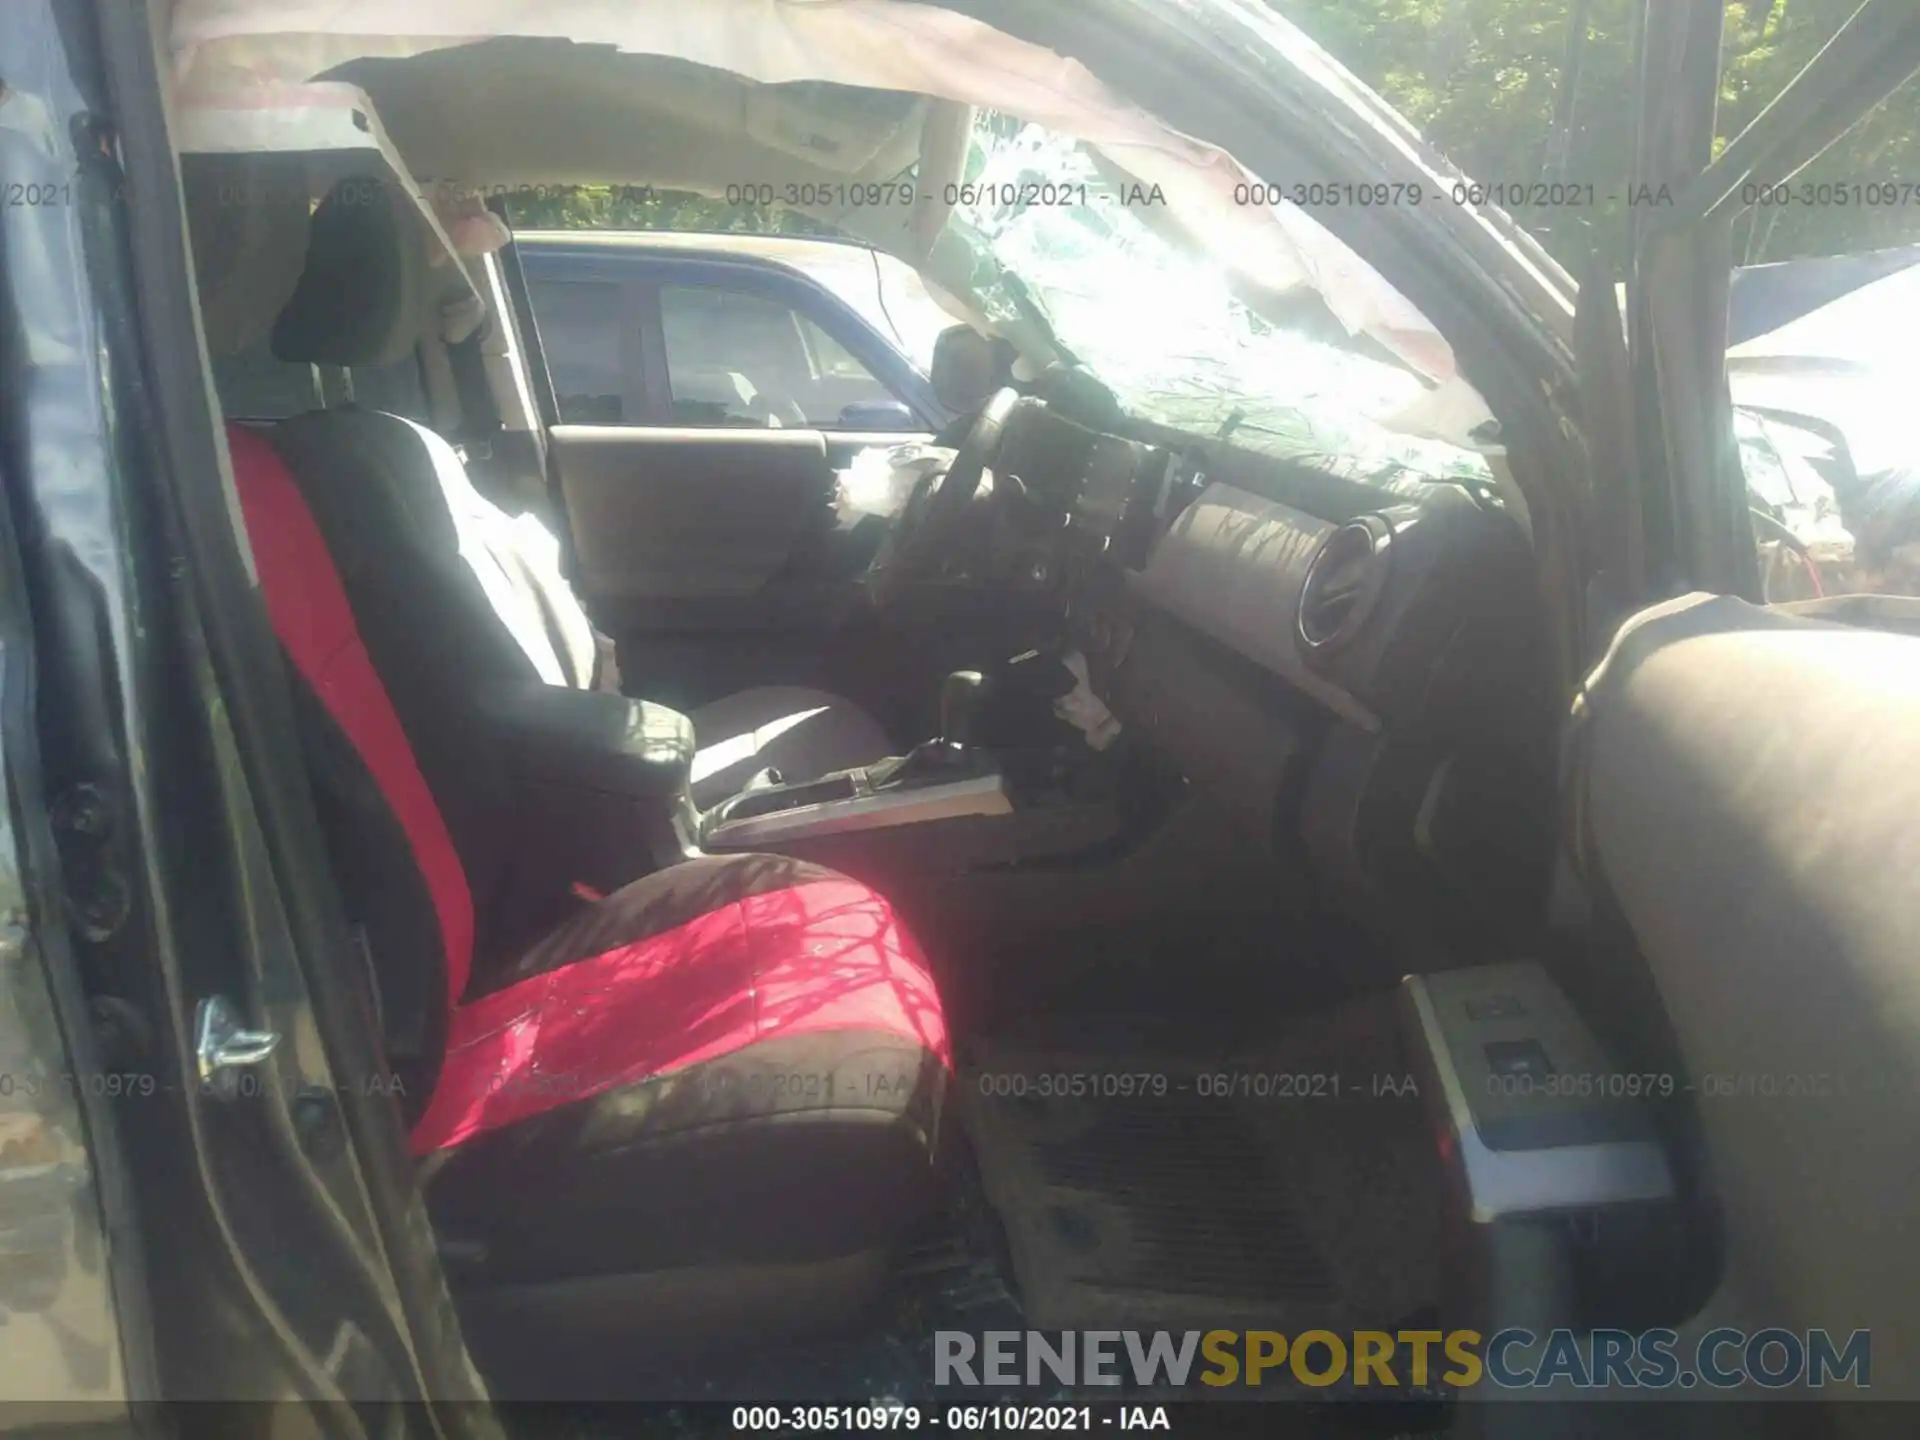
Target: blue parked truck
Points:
x,y
737,331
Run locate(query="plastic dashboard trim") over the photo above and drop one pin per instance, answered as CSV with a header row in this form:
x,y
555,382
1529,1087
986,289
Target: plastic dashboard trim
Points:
x,y
1233,566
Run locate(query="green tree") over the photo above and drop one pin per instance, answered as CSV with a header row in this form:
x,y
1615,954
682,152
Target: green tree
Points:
x,y
1483,79
629,207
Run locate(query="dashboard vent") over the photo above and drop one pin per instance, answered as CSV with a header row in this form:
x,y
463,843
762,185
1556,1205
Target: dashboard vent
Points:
x,y
1344,581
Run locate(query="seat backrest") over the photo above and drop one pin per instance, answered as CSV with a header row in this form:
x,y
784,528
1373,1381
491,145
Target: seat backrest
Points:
x,y
450,595
393,497
399,870
399,593
429,625
364,297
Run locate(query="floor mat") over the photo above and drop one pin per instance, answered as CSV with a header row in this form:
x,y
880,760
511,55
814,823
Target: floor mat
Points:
x,y
1146,1182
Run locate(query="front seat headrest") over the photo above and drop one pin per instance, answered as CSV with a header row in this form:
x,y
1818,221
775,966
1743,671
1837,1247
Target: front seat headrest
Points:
x,y
248,221
361,296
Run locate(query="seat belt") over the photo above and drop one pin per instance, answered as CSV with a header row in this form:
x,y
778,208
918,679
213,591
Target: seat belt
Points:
x,y
479,414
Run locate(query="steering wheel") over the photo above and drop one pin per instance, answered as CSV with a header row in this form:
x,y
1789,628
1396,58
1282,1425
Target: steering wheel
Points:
x,y
926,528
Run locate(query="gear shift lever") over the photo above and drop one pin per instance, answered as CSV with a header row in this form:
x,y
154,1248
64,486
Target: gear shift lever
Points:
x,y
946,756
960,696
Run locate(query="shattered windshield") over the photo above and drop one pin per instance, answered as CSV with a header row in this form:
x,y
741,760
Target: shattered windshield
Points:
x,y
1162,328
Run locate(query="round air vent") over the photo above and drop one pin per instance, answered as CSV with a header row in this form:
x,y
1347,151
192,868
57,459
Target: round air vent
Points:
x,y
1344,581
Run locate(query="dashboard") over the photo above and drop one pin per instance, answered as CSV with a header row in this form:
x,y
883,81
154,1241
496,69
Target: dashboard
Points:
x,y
1361,672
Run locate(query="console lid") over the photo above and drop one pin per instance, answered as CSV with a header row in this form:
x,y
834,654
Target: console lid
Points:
x,y
592,740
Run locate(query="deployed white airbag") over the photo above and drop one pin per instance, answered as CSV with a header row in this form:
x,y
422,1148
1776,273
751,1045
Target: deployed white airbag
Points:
x,y
229,48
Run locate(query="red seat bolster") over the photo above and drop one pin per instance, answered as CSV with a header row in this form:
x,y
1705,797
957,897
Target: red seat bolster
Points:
x,y
310,614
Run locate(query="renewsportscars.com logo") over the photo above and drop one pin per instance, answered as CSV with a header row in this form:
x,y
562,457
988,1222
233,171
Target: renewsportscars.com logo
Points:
x,y
1723,1359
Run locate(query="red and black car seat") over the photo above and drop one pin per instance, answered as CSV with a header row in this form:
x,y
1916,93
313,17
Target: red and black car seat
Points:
x,y
708,1102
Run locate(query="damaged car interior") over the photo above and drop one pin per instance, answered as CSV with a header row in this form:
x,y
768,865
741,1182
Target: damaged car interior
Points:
x,y
1314,699
1149,869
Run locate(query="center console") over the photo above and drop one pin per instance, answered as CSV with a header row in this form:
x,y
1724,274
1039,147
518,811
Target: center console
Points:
x,y
600,790
949,804
945,778
767,816
601,794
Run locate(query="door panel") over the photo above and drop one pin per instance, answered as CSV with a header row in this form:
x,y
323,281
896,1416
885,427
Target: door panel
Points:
x,y
688,514
738,388
1750,787
707,410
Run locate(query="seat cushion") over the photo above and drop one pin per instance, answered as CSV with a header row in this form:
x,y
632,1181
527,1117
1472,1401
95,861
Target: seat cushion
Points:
x,y
736,1060
802,733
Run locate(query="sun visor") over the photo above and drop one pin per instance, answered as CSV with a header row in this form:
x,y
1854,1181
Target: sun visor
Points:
x,y
876,45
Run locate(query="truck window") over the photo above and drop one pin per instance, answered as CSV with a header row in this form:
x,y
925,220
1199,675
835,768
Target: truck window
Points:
x,y
735,358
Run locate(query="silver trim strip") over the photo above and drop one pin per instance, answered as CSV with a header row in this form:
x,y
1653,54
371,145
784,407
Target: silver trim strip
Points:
x,y
1519,1182
866,810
